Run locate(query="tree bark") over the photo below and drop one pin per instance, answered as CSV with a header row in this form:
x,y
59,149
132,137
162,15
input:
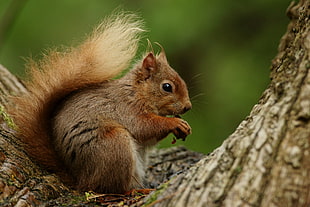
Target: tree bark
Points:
x,y
265,162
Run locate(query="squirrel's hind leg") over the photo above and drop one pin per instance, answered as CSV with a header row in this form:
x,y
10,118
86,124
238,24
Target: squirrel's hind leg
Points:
x,y
112,163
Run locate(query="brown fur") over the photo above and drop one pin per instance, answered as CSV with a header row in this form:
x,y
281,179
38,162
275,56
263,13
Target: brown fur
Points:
x,y
75,117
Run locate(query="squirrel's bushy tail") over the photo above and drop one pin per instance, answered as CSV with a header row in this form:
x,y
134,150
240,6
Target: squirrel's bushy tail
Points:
x,y
107,52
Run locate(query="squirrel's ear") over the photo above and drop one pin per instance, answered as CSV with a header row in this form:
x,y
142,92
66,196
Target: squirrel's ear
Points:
x,y
149,62
162,55
149,66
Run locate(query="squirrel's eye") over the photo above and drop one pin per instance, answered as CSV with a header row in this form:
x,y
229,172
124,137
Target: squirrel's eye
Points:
x,y
167,87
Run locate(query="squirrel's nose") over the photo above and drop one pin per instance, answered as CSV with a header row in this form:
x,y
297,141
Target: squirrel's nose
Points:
x,y
187,107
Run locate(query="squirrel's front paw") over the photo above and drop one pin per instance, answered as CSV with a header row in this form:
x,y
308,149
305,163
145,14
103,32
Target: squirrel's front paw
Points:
x,y
182,129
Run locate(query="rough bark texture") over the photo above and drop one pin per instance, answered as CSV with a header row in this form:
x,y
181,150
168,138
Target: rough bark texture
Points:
x,y
265,162
9,84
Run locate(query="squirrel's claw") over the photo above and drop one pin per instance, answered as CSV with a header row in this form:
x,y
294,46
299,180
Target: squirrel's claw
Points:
x,y
182,130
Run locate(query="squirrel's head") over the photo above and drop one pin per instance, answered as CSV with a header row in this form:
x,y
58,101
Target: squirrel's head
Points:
x,y
162,86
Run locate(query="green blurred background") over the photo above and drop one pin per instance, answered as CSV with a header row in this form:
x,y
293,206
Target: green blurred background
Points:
x,y
223,49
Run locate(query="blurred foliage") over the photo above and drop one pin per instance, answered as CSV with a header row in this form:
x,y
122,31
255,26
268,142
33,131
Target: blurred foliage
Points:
x,y
223,49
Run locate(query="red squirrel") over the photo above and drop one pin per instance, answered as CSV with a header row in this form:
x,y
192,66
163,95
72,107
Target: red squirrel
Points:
x,y
81,122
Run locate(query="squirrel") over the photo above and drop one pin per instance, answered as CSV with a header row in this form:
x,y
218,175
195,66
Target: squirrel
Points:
x,y
82,121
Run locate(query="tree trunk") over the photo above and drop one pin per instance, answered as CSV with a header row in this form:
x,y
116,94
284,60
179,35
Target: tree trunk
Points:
x,y
265,162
